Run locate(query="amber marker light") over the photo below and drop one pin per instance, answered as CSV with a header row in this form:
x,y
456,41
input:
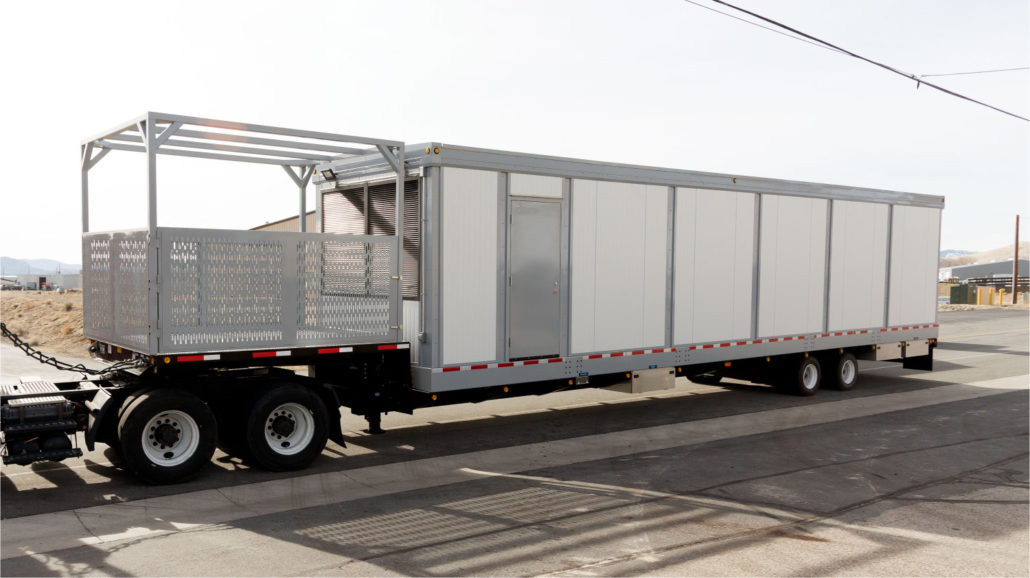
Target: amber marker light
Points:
x,y
168,360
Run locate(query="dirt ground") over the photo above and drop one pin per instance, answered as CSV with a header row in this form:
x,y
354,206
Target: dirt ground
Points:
x,y
46,320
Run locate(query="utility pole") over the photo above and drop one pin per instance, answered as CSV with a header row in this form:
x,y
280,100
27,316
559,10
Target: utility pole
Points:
x,y
1015,267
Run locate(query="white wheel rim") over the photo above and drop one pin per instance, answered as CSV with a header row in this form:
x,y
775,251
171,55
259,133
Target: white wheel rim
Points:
x,y
170,438
289,429
809,376
848,371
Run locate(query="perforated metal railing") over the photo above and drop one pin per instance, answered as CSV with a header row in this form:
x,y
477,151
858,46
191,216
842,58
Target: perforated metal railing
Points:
x,y
115,288
223,290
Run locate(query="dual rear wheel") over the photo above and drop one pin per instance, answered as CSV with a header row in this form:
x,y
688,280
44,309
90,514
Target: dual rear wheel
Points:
x,y
167,435
807,375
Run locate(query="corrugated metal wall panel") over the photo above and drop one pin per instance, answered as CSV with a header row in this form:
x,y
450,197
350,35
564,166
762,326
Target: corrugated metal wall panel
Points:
x,y
618,265
792,284
468,271
914,240
714,253
858,265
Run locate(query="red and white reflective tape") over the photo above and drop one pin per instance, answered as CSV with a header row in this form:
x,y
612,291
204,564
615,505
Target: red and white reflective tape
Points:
x,y
392,346
324,350
501,365
719,345
209,357
259,354
550,360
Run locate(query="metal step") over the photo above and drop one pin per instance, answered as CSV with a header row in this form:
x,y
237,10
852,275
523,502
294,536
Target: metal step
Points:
x,y
57,425
31,386
43,456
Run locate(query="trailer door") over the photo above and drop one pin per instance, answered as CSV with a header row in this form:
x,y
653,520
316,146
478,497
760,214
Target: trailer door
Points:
x,y
533,293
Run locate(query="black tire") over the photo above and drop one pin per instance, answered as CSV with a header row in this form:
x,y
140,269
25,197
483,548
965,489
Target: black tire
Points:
x,y
166,435
705,378
845,375
287,427
805,378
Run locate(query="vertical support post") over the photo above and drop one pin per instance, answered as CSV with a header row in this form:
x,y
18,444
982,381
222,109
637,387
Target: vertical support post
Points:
x,y
398,261
826,267
887,276
302,185
318,212
87,153
1015,267
302,191
147,128
756,266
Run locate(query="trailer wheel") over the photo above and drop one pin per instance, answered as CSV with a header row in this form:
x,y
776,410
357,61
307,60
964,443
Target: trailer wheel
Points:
x,y
166,435
705,378
846,375
287,427
806,378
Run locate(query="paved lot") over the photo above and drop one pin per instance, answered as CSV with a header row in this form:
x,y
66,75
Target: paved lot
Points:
x,y
911,474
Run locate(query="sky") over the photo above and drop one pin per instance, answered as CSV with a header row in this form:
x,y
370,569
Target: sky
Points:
x,y
654,82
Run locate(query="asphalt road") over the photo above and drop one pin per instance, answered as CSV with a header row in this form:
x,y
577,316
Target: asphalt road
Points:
x,y
912,473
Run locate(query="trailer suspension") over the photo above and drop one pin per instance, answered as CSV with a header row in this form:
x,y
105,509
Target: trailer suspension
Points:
x,y
64,366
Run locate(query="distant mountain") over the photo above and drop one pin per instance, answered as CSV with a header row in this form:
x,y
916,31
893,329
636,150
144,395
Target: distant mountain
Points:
x,y
969,257
948,253
12,266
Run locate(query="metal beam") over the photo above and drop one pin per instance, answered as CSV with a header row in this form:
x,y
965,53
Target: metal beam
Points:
x,y
390,158
221,136
199,144
167,132
205,155
200,121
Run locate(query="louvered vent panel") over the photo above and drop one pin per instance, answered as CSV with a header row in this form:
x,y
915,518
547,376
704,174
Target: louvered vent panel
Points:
x,y
381,222
343,212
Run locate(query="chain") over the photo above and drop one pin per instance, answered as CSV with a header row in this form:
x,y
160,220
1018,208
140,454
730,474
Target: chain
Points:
x,y
64,366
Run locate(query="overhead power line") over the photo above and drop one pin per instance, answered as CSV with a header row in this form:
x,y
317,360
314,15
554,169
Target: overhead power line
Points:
x,y
977,72
745,21
808,38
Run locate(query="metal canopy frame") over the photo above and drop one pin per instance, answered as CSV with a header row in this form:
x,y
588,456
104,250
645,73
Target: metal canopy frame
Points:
x,y
296,151
172,134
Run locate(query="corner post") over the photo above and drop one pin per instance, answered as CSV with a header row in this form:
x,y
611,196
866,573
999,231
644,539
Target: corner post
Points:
x,y
398,261
147,131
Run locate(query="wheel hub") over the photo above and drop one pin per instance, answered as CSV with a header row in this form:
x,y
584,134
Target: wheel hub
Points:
x,y
283,425
166,434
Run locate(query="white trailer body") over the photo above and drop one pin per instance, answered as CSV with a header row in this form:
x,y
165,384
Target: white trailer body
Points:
x,y
539,268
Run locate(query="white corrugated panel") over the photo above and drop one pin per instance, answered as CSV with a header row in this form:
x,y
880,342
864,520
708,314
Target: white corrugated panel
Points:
x,y
914,252
618,249
410,317
714,257
468,267
535,186
858,265
793,264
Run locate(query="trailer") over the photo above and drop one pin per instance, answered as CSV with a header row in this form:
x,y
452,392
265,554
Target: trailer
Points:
x,y
446,274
